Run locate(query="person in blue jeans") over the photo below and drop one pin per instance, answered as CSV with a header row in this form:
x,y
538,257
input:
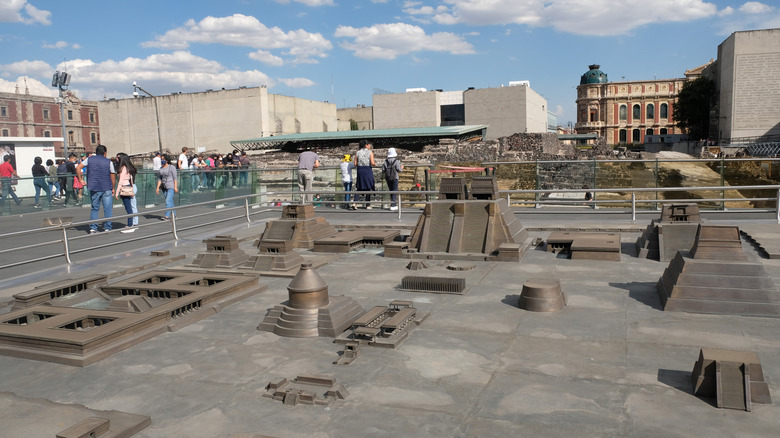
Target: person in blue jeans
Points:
x,y
166,181
40,174
101,183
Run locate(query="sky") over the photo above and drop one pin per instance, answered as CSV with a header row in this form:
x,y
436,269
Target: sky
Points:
x,y
344,51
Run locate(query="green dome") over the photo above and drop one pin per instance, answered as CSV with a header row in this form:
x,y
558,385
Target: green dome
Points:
x,y
594,76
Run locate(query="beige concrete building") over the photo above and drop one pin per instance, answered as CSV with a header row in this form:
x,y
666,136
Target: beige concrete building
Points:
x,y
362,115
626,112
748,82
506,110
208,120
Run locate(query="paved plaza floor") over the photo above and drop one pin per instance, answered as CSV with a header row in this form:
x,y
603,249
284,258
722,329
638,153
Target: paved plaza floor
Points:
x,y
610,364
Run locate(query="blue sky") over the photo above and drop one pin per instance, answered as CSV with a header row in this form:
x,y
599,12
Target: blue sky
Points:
x,y
342,50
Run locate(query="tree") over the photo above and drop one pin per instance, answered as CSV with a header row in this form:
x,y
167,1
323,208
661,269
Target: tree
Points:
x,y
353,125
692,112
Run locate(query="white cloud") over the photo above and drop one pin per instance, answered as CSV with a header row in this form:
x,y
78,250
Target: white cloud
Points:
x,y
11,12
266,57
27,68
586,17
388,41
728,10
309,2
297,82
755,8
26,83
245,31
59,45
37,15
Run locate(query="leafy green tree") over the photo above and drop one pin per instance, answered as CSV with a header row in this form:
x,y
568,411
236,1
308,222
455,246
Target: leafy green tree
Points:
x,y
692,112
353,126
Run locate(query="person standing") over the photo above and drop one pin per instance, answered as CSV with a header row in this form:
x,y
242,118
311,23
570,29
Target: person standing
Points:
x,y
391,168
364,162
183,165
195,169
40,174
168,183
67,173
101,182
7,172
346,179
127,174
54,181
244,164
307,162
156,162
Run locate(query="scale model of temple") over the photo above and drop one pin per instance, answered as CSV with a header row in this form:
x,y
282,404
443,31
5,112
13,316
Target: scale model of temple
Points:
x,y
456,228
310,312
298,225
716,276
674,231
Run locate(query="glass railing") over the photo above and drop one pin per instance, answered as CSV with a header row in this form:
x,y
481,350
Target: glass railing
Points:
x,y
275,186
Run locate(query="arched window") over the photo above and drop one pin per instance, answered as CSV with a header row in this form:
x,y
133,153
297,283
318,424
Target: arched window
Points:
x,y
93,137
649,131
5,133
622,136
635,136
650,111
47,133
71,138
636,112
623,112
664,111
663,131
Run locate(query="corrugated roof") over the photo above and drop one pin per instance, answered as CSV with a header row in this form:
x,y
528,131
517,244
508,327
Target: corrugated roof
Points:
x,y
435,131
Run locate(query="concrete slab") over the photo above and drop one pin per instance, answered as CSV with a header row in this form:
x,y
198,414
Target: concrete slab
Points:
x,y
609,364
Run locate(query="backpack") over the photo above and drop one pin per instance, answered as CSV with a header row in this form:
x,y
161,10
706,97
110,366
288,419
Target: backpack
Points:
x,y
391,173
62,169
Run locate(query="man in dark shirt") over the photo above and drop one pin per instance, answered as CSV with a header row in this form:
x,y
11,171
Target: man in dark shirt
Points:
x,y
101,183
66,181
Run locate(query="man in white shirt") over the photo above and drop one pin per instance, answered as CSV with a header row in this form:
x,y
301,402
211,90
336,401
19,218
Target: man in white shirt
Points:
x,y
156,162
183,163
184,168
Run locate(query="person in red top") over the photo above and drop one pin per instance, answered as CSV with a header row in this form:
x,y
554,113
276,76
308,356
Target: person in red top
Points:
x,y
7,171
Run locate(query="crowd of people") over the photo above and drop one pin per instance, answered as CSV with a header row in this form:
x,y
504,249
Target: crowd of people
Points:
x,y
114,179
363,182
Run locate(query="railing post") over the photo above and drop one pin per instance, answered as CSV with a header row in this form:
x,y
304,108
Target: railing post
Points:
x,y
633,207
173,225
777,206
67,247
398,203
246,209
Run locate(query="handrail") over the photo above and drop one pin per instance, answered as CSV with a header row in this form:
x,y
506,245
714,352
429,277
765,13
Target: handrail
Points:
x,y
403,197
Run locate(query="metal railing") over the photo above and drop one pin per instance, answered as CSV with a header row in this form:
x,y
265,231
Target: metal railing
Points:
x,y
246,203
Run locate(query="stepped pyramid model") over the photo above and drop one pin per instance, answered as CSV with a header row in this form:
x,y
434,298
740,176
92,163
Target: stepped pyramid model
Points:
x,y
299,225
456,228
310,312
221,252
734,378
716,276
674,231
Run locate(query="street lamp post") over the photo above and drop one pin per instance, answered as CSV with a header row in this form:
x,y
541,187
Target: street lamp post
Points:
x,y
61,80
136,87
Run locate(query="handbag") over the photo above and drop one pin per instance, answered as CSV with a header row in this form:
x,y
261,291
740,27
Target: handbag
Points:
x,y
127,191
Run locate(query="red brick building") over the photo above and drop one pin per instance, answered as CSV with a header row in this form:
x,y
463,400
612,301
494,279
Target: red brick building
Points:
x,y
25,115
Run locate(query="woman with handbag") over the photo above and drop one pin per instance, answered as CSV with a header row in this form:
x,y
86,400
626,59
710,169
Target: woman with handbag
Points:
x,y
126,189
166,180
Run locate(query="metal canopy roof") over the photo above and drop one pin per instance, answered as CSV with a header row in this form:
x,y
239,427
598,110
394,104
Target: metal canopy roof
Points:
x,y
401,136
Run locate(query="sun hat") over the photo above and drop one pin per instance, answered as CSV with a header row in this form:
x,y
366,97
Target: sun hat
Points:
x,y
391,153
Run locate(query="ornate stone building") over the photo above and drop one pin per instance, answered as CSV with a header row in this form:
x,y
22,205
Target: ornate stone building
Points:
x,y
26,115
625,112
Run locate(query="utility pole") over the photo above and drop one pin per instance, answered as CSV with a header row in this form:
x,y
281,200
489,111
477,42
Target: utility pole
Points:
x,y
136,87
61,80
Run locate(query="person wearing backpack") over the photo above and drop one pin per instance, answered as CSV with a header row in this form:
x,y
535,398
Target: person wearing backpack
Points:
x,y
391,168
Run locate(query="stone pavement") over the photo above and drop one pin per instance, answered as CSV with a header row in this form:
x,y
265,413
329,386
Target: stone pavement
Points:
x,y
611,363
